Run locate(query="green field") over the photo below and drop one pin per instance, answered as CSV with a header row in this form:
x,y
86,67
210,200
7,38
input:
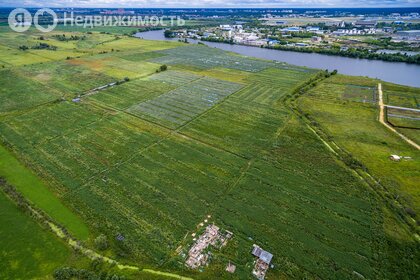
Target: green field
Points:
x,y
27,251
215,134
366,138
36,191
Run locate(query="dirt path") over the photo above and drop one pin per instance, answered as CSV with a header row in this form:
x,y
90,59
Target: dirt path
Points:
x,y
382,120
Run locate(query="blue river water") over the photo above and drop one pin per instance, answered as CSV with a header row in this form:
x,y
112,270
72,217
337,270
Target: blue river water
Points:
x,y
394,72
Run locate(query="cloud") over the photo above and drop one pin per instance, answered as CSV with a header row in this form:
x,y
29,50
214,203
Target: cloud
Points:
x,y
209,3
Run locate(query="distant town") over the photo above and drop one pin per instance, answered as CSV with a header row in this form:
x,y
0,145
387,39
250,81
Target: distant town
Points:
x,y
382,34
393,37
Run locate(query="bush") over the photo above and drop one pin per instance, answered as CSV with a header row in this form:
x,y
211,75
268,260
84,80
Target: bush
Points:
x,y
70,273
169,34
44,46
351,162
163,67
101,242
410,212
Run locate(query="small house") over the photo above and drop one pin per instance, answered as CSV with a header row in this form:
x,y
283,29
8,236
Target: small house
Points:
x,y
262,254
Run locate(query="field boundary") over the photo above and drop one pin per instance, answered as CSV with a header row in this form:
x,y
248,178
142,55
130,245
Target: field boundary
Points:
x,y
361,172
384,122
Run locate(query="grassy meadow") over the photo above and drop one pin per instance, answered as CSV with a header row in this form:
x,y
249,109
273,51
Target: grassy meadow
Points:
x,y
366,139
27,250
148,158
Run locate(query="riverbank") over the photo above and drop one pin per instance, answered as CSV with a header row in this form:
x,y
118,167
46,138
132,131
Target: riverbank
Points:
x,y
352,53
394,72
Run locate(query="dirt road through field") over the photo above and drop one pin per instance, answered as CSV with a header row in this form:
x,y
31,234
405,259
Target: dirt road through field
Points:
x,y
382,120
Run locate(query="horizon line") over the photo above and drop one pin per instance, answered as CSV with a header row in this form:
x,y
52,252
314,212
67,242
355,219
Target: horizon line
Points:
x,y
229,7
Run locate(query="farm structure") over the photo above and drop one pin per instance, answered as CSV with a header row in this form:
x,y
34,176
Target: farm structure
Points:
x,y
198,254
262,263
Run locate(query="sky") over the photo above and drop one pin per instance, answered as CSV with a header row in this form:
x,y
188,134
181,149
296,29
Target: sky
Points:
x,y
210,3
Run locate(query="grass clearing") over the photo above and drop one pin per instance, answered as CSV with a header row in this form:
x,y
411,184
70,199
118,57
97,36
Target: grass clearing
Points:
x,y
67,77
137,57
27,251
116,67
37,192
19,92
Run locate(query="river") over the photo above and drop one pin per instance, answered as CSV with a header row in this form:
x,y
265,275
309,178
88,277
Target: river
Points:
x,y
394,72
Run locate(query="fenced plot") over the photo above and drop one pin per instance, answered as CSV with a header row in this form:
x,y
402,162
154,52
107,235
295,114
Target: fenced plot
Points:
x,y
285,77
48,122
231,75
360,93
131,93
344,92
403,99
206,57
69,143
354,80
177,78
403,118
403,96
268,86
241,127
261,93
136,57
181,105
405,121
407,124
